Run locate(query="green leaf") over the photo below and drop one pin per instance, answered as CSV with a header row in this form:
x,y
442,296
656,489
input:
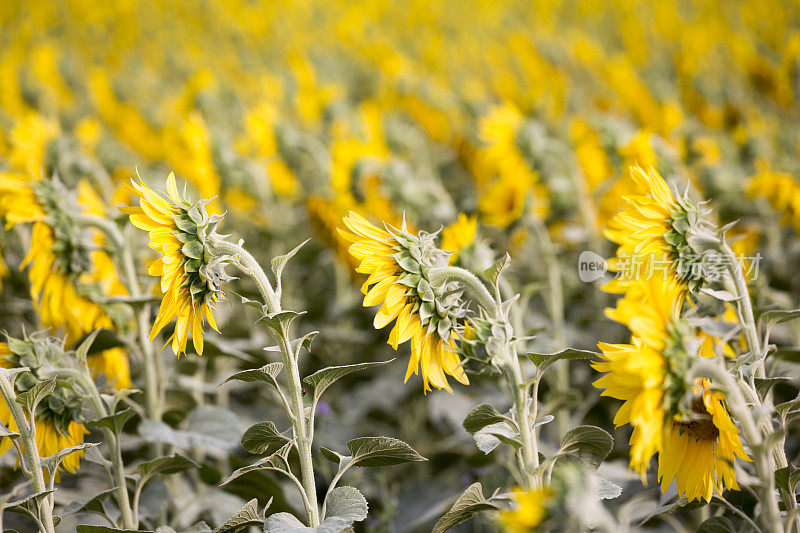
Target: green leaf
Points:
x,y
85,344
259,437
92,505
31,398
375,452
279,321
267,373
114,422
716,524
481,416
52,462
543,360
764,385
284,523
787,478
104,339
493,272
332,456
5,432
724,296
590,443
165,465
278,461
322,379
470,503
279,262
788,410
243,518
28,505
85,528
770,319
607,490
346,503
490,437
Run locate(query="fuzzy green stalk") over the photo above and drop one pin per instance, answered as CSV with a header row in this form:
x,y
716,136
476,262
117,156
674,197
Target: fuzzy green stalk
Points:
x,y
528,454
31,464
249,266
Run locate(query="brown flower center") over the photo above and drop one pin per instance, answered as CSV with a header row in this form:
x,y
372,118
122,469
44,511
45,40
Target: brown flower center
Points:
x,y
699,425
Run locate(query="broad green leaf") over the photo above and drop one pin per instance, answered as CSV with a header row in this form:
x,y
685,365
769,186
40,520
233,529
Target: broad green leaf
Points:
x,y
284,523
716,524
787,478
165,465
770,319
493,272
156,431
322,379
375,452
278,461
481,416
489,437
85,528
31,398
243,518
332,456
470,503
267,373
543,360
280,320
788,410
764,385
92,505
52,462
85,344
607,490
114,422
258,438
589,443
346,503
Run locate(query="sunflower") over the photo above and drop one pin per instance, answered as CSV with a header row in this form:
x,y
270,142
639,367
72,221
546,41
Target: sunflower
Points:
x,y
653,226
189,281
696,443
781,190
396,263
63,271
529,510
54,430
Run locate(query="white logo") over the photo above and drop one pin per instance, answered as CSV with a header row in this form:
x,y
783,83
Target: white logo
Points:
x,y
591,266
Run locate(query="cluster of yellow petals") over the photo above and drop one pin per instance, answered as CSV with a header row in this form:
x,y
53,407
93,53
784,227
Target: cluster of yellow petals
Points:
x,y
529,511
431,355
156,215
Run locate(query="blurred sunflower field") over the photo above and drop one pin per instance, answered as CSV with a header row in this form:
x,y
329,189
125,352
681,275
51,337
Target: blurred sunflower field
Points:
x,y
469,266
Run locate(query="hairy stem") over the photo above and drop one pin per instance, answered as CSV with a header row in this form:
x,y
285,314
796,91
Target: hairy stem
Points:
x,y
32,464
249,266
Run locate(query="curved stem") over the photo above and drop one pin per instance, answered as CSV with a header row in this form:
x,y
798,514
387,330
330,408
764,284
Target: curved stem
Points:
x,y
469,281
738,406
31,460
249,266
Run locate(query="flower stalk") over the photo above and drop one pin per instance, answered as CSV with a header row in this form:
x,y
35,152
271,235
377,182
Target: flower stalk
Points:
x,y
302,432
31,464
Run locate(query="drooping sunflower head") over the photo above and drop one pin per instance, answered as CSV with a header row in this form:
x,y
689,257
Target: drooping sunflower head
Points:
x,y
687,425
57,416
656,226
397,263
191,277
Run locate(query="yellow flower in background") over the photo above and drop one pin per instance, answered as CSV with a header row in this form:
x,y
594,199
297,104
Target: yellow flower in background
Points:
x,y
529,510
176,228
59,292
459,234
397,282
781,190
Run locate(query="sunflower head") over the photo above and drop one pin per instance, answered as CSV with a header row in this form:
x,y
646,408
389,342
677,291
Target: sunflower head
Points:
x,y
57,415
191,276
397,264
528,511
659,225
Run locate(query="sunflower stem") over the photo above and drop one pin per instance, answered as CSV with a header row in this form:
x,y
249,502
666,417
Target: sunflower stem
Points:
x,y
738,406
530,448
744,308
249,266
469,282
33,466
